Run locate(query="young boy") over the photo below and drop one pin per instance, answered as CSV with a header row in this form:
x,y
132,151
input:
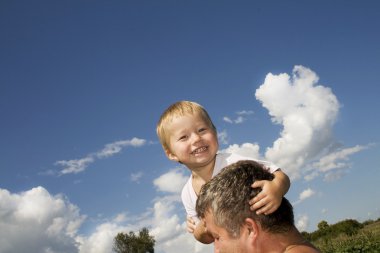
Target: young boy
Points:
x,y
189,137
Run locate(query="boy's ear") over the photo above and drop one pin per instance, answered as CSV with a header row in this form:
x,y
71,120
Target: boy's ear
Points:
x,y
171,156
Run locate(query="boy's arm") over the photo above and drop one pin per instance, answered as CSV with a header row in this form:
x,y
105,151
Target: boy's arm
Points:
x,y
201,234
270,197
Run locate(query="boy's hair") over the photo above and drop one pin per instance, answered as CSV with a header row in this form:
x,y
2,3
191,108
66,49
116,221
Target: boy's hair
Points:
x,y
177,109
227,197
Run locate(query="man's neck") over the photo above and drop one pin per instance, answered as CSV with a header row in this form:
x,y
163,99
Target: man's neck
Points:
x,y
282,242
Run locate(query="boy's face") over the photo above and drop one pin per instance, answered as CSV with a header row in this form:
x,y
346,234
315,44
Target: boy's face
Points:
x,y
191,141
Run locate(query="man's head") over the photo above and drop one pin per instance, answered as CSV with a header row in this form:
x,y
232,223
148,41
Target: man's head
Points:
x,y
180,109
225,197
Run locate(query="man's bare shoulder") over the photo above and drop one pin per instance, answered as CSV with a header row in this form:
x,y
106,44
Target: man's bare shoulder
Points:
x,y
301,248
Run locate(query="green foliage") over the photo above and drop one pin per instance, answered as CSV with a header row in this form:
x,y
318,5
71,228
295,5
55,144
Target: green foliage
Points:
x,y
348,236
325,231
132,243
364,242
323,225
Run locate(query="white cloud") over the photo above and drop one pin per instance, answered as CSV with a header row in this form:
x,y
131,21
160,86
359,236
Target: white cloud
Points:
x,y
334,165
246,149
115,147
223,137
121,217
336,160
172,181
304,195
75,166
135,177
302,223
78,165
228,120
43,223
332,176
244,112
169,229
307,112
101,240
239,119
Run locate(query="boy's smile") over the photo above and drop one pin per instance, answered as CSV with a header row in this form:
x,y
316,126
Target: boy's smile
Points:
x,y
192,141
199,150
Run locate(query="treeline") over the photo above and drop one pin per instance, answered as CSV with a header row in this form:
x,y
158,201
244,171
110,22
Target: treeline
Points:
x,y
347,236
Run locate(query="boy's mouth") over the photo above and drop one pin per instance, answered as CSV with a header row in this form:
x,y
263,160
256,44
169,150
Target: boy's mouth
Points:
x,y
199,150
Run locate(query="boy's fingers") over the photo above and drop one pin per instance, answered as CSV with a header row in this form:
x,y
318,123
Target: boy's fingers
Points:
x,y
190,220
258,198
256,205
258,184
265,210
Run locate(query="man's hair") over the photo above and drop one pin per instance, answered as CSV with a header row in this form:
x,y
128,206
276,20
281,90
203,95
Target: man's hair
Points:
x,y
227,195
177,109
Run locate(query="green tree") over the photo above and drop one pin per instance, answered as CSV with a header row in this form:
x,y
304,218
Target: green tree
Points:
x,y
348,227
323,225
133,243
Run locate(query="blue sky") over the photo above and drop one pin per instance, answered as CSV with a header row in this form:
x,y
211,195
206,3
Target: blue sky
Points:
x,y
83,84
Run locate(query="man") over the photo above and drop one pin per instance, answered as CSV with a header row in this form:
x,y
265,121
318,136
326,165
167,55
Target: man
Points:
x,y
223,205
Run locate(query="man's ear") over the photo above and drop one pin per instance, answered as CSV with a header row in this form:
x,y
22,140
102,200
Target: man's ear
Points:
x,y
171,156
252,227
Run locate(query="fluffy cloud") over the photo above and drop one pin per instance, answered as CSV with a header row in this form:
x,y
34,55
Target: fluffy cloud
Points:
x,y
49,224
101,240
78,165
245,149
35,221
172,181
307,112
169,229
305,195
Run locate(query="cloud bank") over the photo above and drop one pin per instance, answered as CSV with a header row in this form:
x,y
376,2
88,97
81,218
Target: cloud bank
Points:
x,y
35,221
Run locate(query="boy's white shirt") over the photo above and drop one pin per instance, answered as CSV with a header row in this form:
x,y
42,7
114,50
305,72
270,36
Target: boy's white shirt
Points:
x,y
189,197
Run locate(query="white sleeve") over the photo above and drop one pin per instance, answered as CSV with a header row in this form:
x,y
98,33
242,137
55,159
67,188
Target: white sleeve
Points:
x,y
269,166
189,201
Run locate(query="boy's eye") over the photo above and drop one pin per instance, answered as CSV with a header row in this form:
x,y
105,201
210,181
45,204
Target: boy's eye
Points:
x,y
183,137
202,129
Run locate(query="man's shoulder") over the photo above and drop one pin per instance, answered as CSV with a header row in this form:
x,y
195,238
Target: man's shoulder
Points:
x,y
301,248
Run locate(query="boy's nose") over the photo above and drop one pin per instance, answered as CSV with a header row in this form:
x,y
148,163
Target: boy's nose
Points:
x,y
196,137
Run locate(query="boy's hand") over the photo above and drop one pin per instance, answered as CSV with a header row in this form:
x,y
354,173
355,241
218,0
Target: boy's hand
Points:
x,y
190,224
268,200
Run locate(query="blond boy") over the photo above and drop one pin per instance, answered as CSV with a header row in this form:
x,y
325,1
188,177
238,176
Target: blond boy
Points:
x,y
188,136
